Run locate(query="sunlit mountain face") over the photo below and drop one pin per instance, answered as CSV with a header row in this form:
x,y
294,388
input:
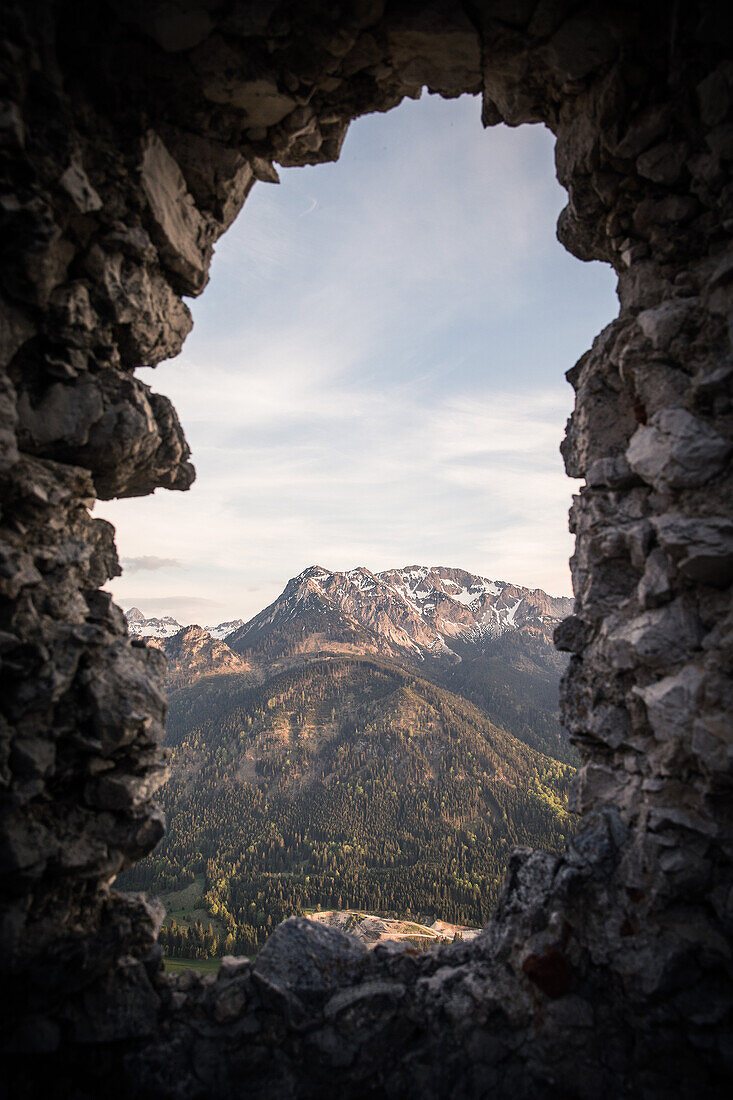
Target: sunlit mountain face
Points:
x,y
418,613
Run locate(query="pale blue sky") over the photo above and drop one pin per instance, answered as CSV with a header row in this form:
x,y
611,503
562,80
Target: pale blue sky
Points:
x,y
376,373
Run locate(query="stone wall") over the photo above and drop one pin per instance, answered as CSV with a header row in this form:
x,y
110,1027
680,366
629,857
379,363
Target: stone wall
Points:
x,y
132,132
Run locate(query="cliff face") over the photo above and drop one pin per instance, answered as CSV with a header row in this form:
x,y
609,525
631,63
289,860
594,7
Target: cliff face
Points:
x,y
131,136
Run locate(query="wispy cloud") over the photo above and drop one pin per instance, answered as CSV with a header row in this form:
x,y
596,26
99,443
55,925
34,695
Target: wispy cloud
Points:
x,y
381,381
150,563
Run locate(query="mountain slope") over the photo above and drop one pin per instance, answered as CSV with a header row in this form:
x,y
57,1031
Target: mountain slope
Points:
x,y
349,783
515,678
487,640
193,652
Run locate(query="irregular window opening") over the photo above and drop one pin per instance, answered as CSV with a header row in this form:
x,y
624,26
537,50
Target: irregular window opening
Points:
x,y
375,379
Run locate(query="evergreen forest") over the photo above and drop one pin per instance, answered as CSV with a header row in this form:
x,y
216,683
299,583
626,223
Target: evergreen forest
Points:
x,y
340,783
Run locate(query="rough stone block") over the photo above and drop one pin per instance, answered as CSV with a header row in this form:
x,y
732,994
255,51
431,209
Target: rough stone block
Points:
x,y
677,450
663,163
306,957
661,324
76,183
581,45
655,638
702,546
438,47
175,26
672,703
227,82
182,233
655,586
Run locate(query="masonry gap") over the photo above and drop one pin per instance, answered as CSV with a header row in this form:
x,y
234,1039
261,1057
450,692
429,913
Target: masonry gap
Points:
x,y
288,371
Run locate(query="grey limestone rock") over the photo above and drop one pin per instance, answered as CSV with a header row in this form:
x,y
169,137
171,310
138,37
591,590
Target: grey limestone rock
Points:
x,y
131,135
655,586
76,182
701,545
663,163
181,230
305,957
677,450
581,45
655,637
662,323
673,701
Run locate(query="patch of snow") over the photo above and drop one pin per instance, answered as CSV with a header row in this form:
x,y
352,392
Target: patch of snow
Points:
x,y
465,596
512,612
223,630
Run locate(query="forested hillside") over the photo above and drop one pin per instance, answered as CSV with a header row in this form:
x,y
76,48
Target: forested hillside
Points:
x,y
515,678
344,783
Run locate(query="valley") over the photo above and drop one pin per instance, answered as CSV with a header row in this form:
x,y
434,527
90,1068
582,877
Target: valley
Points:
x,y
337,754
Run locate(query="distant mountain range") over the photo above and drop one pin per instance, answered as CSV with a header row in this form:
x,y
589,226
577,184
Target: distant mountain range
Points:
x,y
140,627
418,613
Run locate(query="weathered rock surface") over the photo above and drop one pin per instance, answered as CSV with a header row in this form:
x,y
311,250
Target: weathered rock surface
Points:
x,y
131,133
307,958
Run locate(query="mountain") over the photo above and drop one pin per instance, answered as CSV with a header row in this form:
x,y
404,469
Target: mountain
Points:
x,y
345,782
193,652
140,627
419,613
487,640
369,741
223,630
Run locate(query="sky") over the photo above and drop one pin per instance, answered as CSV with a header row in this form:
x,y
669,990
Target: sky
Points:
x,y
376,374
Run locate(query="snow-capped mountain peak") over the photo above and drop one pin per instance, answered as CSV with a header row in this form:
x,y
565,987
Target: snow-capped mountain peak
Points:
x,y
415,612
138,626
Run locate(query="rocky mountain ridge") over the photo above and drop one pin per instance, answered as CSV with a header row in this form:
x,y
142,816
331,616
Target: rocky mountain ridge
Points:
x,y
416,613
192,651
